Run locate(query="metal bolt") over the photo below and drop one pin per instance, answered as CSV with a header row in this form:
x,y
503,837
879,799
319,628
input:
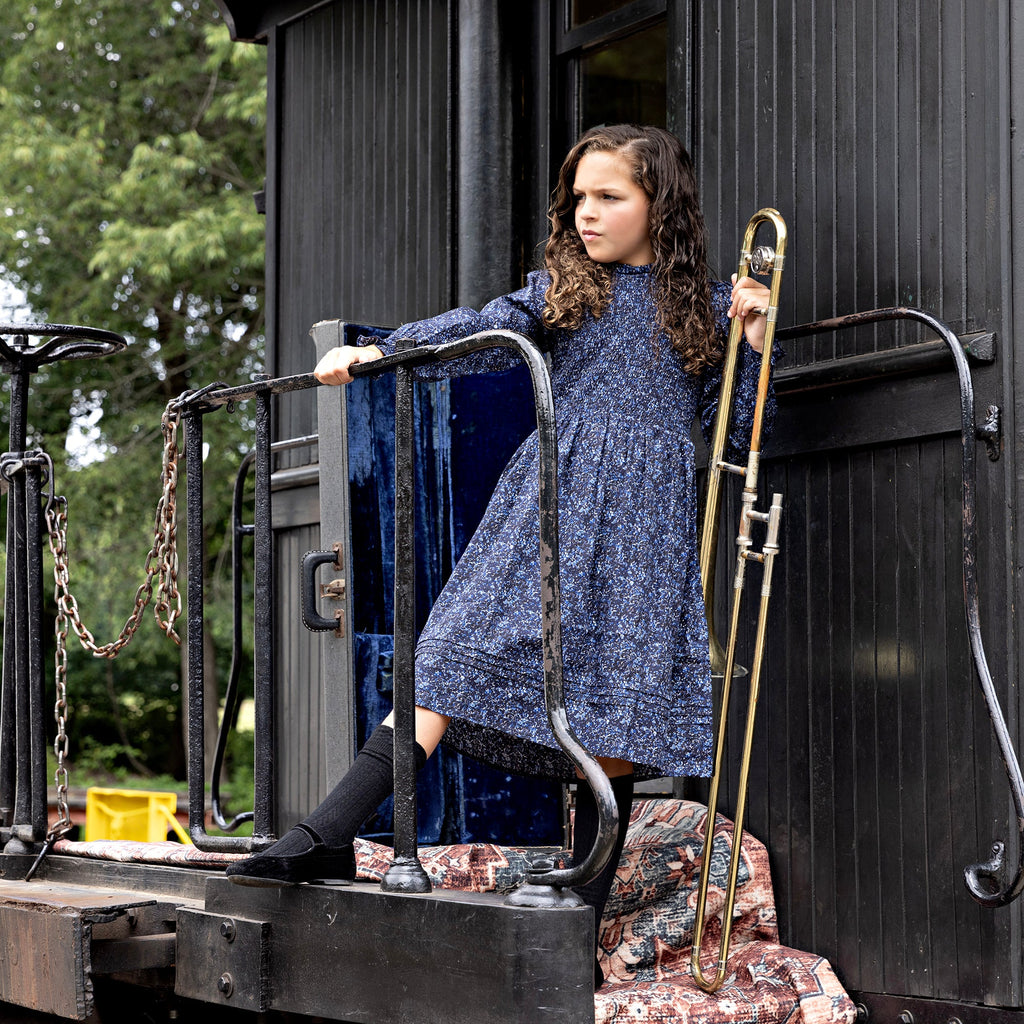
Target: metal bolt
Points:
x,y
226,985
227,929
906,1017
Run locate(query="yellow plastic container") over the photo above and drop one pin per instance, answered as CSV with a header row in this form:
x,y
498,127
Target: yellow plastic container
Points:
x,y
135,814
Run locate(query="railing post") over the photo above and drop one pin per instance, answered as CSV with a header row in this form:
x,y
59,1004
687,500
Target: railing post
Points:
x,y
195,626
8,735
406,873
34,626
23,681
263,622
18,684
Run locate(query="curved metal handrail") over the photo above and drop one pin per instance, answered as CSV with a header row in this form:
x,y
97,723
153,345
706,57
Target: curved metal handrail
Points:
x,y
543,875
974,874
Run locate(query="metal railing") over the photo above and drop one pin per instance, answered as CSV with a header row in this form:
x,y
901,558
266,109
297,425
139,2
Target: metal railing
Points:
x,y
547,883
982,879
23,718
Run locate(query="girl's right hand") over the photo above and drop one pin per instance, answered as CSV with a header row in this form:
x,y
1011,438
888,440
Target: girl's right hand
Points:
x,y
334,366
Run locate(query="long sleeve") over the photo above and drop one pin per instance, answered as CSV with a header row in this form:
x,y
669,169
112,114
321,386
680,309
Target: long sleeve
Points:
x,y
745,398
520,312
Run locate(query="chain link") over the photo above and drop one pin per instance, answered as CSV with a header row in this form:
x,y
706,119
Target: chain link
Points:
x,y
161,563
56,513
162,560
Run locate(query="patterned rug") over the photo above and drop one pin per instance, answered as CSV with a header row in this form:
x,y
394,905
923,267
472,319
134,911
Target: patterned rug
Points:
x,y
647,932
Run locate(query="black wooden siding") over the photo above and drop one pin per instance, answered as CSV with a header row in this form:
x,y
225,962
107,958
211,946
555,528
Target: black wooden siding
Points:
x,y
362,139
358,197
880,131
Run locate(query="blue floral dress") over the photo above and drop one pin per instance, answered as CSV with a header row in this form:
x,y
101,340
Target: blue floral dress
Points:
x,y
635,641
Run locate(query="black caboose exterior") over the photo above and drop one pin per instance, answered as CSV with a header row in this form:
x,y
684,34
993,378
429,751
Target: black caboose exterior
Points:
x,y
411,148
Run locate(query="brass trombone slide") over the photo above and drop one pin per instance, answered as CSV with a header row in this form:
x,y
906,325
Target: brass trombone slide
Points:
x,y
760,260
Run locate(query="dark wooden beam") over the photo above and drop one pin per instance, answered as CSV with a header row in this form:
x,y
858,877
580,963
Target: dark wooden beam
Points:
x,y
358,954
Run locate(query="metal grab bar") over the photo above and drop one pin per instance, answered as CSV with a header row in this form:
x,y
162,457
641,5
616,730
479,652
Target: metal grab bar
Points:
x,y
974,874
231,696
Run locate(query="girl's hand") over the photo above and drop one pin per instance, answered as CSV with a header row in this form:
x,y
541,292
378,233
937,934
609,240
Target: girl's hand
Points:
x,y
750,305
333,368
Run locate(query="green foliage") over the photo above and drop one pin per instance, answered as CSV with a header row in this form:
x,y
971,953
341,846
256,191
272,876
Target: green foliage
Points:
x,y
127,713
133,140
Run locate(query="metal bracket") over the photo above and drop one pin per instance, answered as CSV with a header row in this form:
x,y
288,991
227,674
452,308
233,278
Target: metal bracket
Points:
x,y
990,430
980,346
223,960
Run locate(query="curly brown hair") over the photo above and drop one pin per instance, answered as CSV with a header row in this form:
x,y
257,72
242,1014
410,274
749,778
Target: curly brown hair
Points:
x,y
682,295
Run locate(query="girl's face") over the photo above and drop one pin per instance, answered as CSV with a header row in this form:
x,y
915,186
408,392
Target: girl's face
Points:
x,y
611,210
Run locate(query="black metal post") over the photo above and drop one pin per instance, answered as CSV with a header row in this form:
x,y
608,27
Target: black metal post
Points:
x,y
264,596
406,873
8,697
19,684
238,531
195,627
8,736
36,679
263,555
16,605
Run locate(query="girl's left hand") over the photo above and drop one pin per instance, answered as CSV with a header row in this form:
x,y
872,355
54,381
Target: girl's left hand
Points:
x,y
749,304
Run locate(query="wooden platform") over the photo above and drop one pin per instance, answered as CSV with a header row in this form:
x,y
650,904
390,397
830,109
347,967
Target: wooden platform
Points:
x,y
185,938
351,953
56,935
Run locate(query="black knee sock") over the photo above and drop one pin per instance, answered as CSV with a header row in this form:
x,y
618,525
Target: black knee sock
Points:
x,y
595,892
365,786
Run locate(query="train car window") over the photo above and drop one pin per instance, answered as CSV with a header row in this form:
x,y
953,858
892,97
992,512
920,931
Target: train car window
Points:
x,y
626,81
611,64
582,11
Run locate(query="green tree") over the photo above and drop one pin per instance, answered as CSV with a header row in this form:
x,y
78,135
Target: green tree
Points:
x,y
133,139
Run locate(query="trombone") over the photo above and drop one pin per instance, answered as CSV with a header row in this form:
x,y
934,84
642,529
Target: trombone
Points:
x,y
763,259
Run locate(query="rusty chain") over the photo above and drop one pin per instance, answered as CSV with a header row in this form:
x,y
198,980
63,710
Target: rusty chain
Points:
x,y
161,564
162,560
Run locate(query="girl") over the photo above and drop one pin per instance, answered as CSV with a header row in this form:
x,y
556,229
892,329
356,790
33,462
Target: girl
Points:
x,y
635,331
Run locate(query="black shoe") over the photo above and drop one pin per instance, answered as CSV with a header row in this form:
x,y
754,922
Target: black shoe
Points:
x,y
306,860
